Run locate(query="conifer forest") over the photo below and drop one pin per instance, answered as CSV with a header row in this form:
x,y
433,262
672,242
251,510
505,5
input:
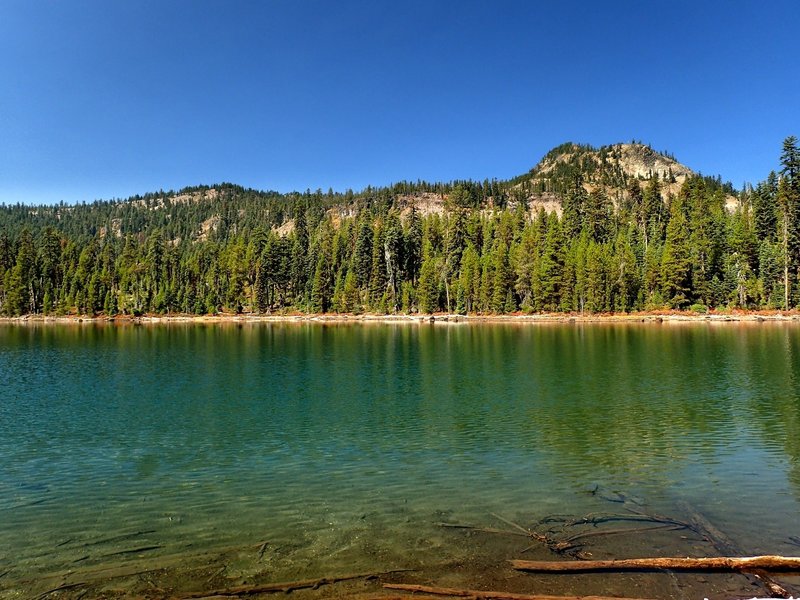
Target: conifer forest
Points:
x,y
581,233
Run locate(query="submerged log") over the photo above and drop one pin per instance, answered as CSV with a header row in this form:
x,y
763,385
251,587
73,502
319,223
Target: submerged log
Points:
x,y
726,545
287,586
724,563
705,528
486,595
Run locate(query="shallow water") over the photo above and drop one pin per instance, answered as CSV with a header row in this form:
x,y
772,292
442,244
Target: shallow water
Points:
x,y
344,446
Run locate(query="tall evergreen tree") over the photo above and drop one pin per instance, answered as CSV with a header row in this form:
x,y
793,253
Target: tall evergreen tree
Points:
x,y
676,258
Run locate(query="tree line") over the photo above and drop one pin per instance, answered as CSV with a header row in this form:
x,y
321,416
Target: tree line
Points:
x,y
243,251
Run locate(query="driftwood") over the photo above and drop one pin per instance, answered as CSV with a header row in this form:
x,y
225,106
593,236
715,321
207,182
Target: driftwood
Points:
x,y
487,595
287,586
724,563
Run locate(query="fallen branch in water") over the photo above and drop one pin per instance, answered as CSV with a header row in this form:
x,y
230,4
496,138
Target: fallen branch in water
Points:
x,y
116,538
217,573
132,551
587,534
725,563
484,529
487,595
656,518
528,532
287,586
262,549
66,586
559,547
636,516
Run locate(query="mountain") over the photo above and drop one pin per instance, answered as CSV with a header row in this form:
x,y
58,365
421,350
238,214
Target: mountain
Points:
x,y
202,212
611,169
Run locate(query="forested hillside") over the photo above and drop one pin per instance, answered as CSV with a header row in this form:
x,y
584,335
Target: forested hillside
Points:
x,y
619,228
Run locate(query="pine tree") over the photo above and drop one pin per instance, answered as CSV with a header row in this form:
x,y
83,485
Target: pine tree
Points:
x,y
300,258
596,289
428,288
362,256
790,161
469,279
350,296
322,285
597,218
653,213
624,272
764,213
676,259
377,281
525,268
551,267
413,242
501,287
786,227
573,208
21,291
393,248
788,197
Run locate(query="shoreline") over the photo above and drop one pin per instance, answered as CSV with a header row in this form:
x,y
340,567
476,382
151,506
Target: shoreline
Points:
x,y
437,318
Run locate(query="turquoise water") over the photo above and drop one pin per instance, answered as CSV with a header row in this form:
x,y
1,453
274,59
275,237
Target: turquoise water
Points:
x,y
343,446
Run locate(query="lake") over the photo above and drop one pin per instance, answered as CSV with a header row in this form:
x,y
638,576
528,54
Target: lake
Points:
x,y
230,453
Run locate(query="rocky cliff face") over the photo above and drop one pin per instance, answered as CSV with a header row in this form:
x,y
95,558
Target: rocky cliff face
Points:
x,y
611,169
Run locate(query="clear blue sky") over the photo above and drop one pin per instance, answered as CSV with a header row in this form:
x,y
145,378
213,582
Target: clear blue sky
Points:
x,y
107,99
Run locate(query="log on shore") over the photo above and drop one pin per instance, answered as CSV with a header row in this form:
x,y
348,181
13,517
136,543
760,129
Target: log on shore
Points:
x,y
724,563
486,595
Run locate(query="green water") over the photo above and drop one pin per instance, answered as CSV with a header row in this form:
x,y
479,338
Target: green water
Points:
x,y
344,446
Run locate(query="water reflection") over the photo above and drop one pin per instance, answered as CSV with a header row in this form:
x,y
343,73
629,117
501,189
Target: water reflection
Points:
x,y
199,431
